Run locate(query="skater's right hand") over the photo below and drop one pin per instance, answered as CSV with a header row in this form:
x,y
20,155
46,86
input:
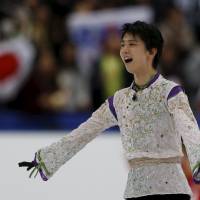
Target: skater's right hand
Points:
x,y
29,165
37,166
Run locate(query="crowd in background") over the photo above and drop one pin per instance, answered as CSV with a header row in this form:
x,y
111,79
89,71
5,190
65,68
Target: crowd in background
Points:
x,y
44,69
50,62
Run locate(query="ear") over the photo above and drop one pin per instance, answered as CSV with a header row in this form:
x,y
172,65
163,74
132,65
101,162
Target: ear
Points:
x,y
153,51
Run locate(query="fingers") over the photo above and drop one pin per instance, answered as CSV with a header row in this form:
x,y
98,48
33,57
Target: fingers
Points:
x,y
29,165
24,164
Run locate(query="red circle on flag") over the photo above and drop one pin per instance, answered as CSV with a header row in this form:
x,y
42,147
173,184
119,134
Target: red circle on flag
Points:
x,y
9,65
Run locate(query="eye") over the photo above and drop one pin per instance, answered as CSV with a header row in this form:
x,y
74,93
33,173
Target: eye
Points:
x,y
132,44
122,45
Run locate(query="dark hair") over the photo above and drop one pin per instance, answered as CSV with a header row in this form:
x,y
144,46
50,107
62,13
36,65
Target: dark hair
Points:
x,y
149,34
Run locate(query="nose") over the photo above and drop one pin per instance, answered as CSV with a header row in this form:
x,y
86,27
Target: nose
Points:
x,y
124,50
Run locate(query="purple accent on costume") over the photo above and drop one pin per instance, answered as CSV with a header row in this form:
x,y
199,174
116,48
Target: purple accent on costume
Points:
x,y
35,161
111,106
150,82
174,91
44,178
153,79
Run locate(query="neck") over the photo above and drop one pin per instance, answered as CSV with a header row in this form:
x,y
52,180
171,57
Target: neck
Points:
x,y
143,78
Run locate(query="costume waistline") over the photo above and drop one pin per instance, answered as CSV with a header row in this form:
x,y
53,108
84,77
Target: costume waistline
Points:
x,y
149,161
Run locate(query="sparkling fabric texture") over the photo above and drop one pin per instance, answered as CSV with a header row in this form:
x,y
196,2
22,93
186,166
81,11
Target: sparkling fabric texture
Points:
x,y
186,125
55,155
151,129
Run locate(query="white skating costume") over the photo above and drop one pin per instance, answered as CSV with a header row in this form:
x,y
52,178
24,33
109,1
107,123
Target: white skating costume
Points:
x,y
152,125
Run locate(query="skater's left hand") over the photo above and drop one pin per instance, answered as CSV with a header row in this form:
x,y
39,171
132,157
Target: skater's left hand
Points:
x,y
196,175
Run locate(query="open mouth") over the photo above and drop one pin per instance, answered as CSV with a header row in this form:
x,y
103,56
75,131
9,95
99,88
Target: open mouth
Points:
x,y
128,60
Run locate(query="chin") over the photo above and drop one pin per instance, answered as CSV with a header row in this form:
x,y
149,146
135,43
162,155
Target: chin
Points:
x,y
129,69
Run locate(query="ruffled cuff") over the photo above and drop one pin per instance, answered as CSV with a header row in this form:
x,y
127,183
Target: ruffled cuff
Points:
x,y
39,167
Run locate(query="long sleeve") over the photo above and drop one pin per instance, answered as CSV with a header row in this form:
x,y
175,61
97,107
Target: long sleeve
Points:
x,y
187,127
54,156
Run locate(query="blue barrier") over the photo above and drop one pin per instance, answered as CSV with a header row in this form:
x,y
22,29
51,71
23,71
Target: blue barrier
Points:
x,y
10,120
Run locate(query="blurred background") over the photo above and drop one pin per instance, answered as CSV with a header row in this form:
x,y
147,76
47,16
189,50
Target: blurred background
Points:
x,y
59,59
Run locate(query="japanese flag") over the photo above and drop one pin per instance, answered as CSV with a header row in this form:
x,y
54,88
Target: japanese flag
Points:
x,y
16,58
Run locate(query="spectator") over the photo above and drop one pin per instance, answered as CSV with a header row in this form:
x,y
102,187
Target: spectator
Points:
x,y
192,76
177,31
179,41
107,69
71,68
40,26
72,85
39,93
85,6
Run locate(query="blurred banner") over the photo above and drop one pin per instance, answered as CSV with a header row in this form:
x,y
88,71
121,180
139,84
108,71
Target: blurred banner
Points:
x,y
16,58
88,30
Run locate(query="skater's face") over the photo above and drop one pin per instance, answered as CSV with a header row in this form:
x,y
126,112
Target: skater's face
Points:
x,y
134,54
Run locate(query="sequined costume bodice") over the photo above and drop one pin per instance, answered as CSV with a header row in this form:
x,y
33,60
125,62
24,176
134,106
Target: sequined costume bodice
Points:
x,y
152,128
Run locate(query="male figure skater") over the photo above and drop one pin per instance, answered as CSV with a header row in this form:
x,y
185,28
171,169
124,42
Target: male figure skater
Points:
x,y
154,118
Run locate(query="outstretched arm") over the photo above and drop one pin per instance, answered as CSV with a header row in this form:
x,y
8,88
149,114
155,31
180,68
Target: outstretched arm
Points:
x,y
49,159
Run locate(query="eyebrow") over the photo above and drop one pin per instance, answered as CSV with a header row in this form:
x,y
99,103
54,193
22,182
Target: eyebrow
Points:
x,y
130,40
